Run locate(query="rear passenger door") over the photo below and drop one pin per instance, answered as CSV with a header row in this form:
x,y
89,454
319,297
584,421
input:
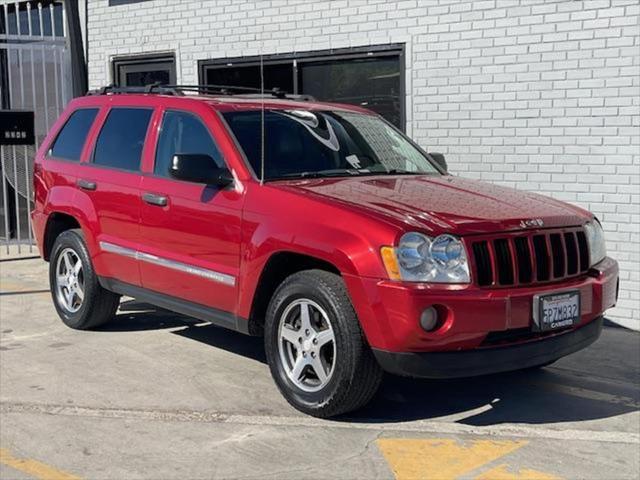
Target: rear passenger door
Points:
x,y
110,181
190,231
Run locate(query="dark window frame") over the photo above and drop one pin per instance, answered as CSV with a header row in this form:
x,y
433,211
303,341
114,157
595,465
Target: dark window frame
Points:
x,y
153,172
141,61
115,3
317,56
91,160
49,151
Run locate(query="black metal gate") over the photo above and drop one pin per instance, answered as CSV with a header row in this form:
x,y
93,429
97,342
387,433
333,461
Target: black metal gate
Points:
x,y
35,75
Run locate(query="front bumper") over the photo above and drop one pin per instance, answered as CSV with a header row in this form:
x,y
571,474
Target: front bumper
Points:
x,y
483,361
474,317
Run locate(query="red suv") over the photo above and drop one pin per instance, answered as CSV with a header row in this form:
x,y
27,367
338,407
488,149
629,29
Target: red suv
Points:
x,y
321,227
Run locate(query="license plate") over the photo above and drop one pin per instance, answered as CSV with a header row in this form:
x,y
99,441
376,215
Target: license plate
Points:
x,y
555,311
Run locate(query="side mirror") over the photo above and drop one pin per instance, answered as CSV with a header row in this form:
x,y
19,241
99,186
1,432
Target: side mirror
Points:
x,y
439,159
199,168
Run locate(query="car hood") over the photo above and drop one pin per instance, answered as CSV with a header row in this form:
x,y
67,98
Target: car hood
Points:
x,y
443,203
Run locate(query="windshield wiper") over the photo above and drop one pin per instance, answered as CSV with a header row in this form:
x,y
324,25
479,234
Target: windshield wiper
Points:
x,y
346,172
390,171
336,172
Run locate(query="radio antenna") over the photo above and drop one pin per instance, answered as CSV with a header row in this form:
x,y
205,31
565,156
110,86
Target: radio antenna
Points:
x,y
262,120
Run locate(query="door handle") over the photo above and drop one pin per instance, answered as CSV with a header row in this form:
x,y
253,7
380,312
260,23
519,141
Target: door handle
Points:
x,y
86,184
155,199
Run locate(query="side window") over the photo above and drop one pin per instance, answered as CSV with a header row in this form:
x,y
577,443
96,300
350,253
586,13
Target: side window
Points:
x,y
185,133
121,139
71,139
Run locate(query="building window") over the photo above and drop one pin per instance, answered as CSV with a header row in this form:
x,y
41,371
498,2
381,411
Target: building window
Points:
x,y
371,77
19,18
144,70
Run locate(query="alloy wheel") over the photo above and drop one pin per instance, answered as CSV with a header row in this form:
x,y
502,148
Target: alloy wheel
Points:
x,y
69,280
306,344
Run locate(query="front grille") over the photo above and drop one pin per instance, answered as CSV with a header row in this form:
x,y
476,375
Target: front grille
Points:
x,y
530,257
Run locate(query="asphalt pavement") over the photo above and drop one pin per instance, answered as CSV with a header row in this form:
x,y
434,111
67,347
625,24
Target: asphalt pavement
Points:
x,y
157,395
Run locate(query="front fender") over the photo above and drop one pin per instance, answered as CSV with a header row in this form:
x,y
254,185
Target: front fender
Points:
x,y
353,252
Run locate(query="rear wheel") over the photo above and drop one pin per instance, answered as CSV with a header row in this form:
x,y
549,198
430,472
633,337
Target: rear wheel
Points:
x,y
79,299
316,350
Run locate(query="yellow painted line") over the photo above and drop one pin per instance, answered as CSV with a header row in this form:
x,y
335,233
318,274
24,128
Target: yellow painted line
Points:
x,y
446,459
36,469
441,459
501,472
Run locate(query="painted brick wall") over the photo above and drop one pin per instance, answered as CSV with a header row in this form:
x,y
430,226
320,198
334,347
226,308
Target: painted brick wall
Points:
x,y
538,95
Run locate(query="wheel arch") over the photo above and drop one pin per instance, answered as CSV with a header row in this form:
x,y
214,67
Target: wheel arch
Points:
x,y
67,208
57,222
277,268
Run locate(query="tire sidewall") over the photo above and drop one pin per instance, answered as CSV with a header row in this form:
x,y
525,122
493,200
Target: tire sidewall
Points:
x,y
72,239
284,296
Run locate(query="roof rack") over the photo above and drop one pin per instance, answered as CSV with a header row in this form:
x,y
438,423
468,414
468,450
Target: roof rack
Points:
x,y
163,89
151,88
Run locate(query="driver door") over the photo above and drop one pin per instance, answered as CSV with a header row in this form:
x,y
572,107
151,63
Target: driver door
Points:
x,y
190,231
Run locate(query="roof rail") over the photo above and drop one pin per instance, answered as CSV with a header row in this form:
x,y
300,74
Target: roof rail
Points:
x,y
151,88
163,89
251,92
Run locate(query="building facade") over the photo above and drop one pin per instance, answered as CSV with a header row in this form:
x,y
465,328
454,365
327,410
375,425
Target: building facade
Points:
x,y
540,95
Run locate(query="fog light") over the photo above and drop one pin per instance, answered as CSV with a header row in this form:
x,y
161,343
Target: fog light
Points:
x,y
429,319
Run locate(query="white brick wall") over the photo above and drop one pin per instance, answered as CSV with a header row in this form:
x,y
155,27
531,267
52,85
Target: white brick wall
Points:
x,y
539,95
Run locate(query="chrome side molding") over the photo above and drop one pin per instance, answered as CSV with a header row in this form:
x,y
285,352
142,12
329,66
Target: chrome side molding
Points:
x,y
212,275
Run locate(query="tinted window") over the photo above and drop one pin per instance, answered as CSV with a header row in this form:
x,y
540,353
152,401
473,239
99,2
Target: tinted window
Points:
x,y
279,75
325,143
71,138
184,133
373,83
121,139
137,71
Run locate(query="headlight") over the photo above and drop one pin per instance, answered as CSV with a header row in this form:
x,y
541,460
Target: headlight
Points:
x,y
422,259
595,239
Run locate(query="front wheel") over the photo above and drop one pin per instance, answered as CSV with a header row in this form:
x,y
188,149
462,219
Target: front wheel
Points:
x,y
316,350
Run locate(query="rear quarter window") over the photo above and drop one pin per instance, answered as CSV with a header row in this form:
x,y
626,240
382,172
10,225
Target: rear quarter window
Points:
x,y
73,135
122,138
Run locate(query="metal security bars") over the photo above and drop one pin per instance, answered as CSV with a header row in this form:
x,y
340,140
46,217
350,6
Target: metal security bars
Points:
x,y
35,66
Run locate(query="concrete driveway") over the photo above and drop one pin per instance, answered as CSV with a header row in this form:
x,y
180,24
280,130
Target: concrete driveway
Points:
x,y
157,395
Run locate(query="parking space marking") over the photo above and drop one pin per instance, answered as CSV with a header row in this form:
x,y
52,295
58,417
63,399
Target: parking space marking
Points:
x,y
446,458
36,469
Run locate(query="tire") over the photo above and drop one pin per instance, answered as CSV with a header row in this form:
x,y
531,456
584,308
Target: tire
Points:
x,y
352,373
97,305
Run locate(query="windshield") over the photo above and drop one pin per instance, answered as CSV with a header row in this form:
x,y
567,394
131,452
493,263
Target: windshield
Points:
x,y
304,143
